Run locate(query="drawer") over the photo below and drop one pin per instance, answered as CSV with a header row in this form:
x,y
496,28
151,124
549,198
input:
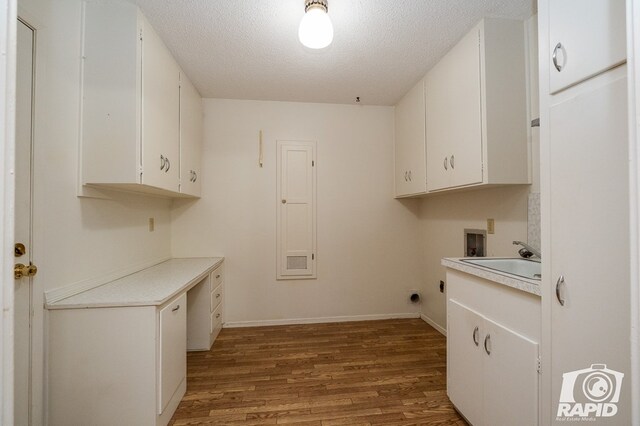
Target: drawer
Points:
x,y
216,319
217,276
216,297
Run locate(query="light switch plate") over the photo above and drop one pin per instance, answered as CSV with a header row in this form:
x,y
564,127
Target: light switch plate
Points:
x,y
491,226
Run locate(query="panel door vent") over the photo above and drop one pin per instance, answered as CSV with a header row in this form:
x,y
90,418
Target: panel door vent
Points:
x,y
296,262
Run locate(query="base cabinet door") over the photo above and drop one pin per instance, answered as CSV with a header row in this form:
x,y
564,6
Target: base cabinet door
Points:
x,y
464,363
510,377
173,349
492,371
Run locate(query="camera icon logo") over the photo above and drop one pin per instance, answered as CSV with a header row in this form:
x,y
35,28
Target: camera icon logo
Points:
x,y
590,392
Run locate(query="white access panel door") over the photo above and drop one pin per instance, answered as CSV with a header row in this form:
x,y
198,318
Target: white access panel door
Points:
x,y
160,113
510,377
464,360
589,219
296,233
587,37
173,350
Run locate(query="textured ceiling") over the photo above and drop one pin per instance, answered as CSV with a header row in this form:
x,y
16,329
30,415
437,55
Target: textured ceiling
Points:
x,y
249,49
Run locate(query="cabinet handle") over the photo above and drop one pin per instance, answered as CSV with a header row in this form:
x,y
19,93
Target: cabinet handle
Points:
x,y
168,164
163,162
195,176
559,283
451,162
487,344
218,296
176,308
406,179
218,276
217,315
446,163
409,175
555,56
475,336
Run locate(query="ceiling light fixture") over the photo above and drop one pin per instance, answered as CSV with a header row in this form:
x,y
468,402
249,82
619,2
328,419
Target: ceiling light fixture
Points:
x,y
316,30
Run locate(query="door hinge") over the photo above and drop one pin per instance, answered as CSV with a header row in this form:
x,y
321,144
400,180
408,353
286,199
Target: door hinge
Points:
x,y
539,365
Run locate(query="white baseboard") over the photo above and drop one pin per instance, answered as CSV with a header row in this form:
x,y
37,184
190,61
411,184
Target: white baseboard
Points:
x,y
292,321
434,324
60,293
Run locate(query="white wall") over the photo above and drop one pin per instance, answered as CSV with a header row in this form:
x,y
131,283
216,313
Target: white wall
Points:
x,y
367,242
75,239
443,219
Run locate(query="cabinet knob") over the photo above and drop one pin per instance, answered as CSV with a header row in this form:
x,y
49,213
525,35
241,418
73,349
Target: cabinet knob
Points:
x,y
487,344
475,336
218,276
554,57
560,283
218,296
446,163
218,315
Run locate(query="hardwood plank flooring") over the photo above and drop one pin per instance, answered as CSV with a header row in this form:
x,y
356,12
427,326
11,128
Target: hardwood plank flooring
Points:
x,y
390,372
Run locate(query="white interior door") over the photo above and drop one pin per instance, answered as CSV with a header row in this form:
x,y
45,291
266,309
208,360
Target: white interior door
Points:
x,y
23,290
296,239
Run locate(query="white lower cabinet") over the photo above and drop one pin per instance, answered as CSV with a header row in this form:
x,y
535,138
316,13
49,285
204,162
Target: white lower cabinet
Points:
x,y
172,365
492,366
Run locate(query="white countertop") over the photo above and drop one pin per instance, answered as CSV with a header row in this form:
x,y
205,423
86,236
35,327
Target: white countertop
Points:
x,y
150,287
524,284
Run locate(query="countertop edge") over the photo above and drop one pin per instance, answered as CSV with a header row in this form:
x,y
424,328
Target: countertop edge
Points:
x,y
186,287
521,284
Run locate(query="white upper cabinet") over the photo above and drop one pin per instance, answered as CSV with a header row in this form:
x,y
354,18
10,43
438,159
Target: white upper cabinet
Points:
x,y
410,148
131,104
476,110
586,38
190,138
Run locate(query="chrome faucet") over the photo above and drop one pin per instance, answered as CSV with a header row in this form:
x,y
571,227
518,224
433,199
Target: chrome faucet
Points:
x,y
527,251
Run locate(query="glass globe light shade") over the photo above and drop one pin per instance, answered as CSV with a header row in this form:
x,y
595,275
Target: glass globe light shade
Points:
x,y
316,30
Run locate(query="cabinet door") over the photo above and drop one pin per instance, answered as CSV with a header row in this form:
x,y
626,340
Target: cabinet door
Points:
x,y
172,367
590,36
410,161
510,377
589,217
190,137
454,119
464,360
160,113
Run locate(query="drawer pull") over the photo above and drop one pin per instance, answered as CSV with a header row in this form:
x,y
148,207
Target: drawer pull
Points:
x,y
218,296
475,336
560,283
176,308
217,315
217,276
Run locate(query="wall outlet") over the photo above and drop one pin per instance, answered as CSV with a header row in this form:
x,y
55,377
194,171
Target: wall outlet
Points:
x,y
152,224
491,226
441,286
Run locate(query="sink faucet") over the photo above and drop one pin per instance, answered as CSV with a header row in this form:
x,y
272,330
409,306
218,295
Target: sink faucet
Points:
x,y
527,251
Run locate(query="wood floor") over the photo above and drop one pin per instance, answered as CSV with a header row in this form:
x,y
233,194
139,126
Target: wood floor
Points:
x,y
390,372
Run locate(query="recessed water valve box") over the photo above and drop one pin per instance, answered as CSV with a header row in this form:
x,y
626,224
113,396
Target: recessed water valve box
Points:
x,y
475,243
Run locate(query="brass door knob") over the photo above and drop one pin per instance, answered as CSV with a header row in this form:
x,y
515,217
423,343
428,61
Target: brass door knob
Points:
x,y
20,270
